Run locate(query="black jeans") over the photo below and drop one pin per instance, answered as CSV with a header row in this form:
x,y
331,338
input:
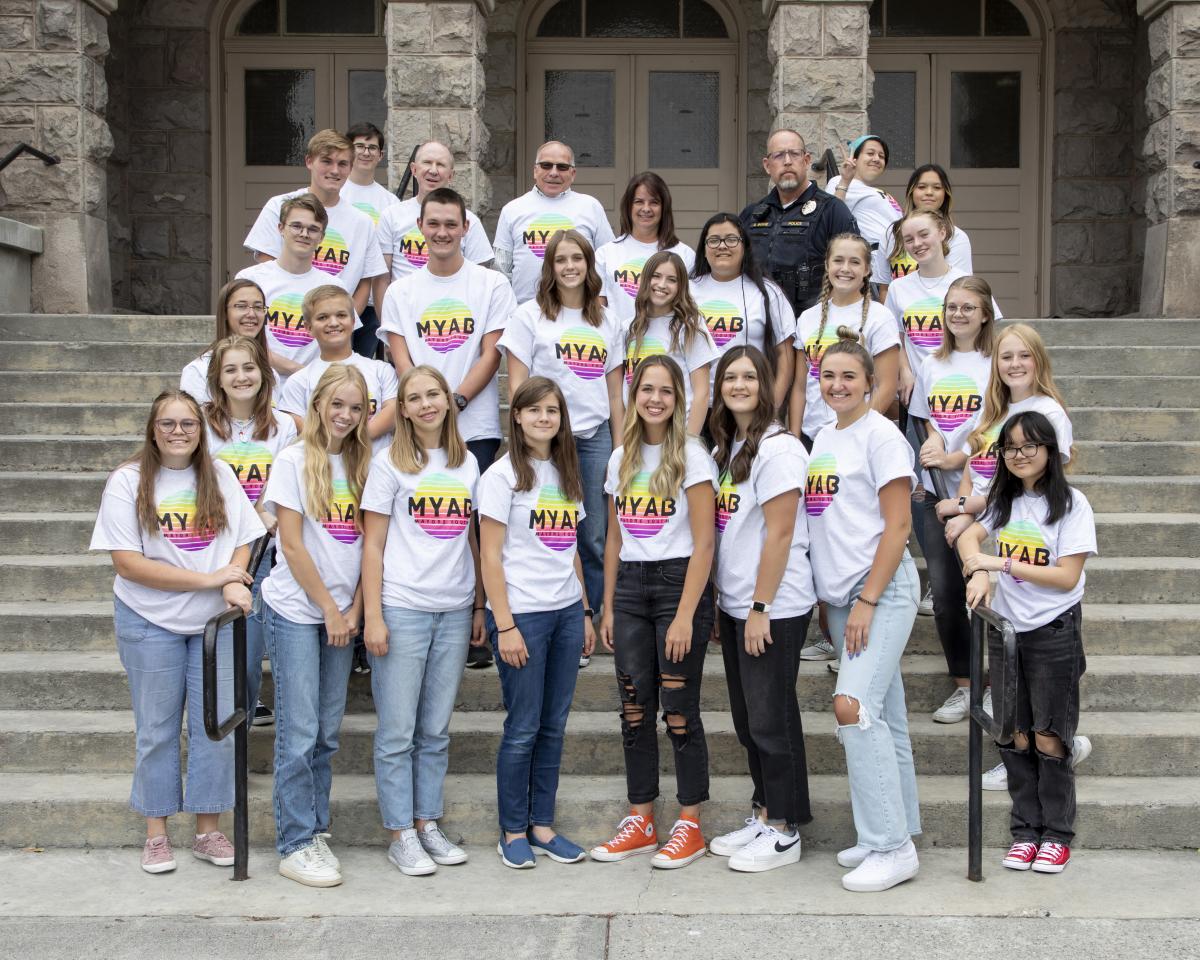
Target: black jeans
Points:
x,y
766,714
949,593
645,603
484,451
365,340
1050,661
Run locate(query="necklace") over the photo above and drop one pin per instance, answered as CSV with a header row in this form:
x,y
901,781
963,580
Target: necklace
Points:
x,y
242,428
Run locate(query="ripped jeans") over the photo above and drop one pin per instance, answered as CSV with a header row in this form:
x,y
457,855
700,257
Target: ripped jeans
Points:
x,y
879,761
645,603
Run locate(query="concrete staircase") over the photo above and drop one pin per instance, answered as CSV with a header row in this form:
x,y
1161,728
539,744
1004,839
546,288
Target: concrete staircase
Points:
x,y
73,396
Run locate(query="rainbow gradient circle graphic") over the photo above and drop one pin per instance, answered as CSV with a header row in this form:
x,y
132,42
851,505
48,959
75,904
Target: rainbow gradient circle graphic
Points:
x,y
452,512
814,350
726,502
902,265
291,304
922,334
552,508
369,210
651,347
817,496
537,235
1021,539
443,324
950,401
629,275
251,462
414,248
584,352
332,254
984,464
720,316
648,517
175,516
339,524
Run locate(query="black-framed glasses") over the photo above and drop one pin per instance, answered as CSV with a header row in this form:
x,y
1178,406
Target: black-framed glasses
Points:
x,y
732,242
560,167
168,427
371,148
1027,450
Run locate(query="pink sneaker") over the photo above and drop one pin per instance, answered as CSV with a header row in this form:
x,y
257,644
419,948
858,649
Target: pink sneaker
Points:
x,y
157,855
213,847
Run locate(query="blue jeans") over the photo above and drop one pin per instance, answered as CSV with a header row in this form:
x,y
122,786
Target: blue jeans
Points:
x,y
414,686
593,456
310,698
165,673
537,698
883,783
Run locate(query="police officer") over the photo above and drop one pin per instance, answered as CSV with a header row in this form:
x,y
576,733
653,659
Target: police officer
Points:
x,y
792,225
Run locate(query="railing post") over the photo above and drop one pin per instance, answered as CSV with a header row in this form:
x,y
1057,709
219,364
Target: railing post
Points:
x,y
975,755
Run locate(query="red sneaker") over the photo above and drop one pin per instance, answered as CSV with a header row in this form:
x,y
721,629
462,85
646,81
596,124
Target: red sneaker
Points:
x,y
1020,855
686,844
635,835
1052,857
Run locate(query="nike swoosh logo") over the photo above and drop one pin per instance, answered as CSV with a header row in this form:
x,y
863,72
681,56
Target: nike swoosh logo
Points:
x,y
781,849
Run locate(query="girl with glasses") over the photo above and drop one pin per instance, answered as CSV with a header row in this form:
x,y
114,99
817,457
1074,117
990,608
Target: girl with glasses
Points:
x,y
241,311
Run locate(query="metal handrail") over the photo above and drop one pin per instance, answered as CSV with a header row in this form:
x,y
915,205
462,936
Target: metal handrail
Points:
x,y
939,481
826,164
238,721
48,159
404,180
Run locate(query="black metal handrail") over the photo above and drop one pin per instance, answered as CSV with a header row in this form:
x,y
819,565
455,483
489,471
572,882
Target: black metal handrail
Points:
x,y
404,180
48,159
239,720
827,164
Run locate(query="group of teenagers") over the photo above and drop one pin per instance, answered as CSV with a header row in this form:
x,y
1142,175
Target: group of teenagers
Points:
x,y
687,461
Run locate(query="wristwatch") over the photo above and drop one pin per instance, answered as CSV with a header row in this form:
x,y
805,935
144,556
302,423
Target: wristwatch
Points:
x,y
759,607
962,504
460,401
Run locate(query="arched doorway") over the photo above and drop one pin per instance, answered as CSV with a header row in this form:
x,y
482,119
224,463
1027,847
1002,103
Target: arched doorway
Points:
x,y
288,69
959,83
631,86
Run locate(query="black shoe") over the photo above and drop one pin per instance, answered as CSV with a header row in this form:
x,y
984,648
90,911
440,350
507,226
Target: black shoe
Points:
x,y
263,715
479,658
361,663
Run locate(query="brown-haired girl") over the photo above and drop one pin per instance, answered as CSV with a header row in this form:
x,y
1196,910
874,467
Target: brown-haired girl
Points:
x,y
241,310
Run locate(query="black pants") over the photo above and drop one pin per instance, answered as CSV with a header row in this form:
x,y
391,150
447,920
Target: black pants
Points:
x,y
646,600
766,715
365,340
949,593
484,451
1050,661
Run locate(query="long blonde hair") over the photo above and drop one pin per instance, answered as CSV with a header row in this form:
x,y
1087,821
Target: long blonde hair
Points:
x,y
985,341
217,408
685,323
406,452
827,287
356,448
668,476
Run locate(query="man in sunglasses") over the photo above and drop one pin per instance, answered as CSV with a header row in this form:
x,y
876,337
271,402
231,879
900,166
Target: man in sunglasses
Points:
x,y
527,223
790,228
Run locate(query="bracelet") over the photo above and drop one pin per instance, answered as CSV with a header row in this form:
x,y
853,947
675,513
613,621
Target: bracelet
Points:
x,y
869,603
507,629
1008,565
477,609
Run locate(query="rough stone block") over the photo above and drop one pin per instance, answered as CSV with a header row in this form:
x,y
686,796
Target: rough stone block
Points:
x,y
1158,196
97,138
169,109
806,123
1090,291
72,275
95,189
1114,157
1116,68
1072,243
1187,30
452,27
175,13
500,110
1185,89
94,36
1090,199
147,37
1091,14
95,86
58,24
462,131
434,82
1185,126
19,7
1091,111
187,57
58,131
1185,191
407,28
840,128
41,77
758,116
845,30
146,68
501,156
188,151
407,128
1158,91
1074,157
18,115
795,31
1075,59
820,85
171,287
169,193
1112,242
16,33
1159,36
500,64
32,185
1156,144
151,238
192,238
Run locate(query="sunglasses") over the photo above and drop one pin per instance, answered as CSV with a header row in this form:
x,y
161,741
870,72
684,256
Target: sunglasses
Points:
x,y
560,167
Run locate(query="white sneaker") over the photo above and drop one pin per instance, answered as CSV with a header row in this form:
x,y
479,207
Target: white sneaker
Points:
x,y
770,849
584,660
956,708
882,871
441,851
987,701
727,844
322,842
832,666
309,867
996,778
852,856
1081,749
409,855
925,607
821,650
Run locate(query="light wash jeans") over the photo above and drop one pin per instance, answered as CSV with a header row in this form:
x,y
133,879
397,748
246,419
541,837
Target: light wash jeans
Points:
x,y
166,675
415,685
310,698
593,456
879,761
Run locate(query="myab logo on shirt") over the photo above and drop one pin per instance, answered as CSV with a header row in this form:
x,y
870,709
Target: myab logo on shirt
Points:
x,y
984,464
332,255
902,265
815,348
539,232
728,500
583,352
1022,540
441,506
723,321
285,320
175,516
446,324
414,248
342,512
251,463
629,275
640,513
953,401
923,323
822,484
554,519
651,347
369,210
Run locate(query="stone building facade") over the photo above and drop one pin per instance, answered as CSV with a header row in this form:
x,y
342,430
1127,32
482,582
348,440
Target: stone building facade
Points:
x,y
128,95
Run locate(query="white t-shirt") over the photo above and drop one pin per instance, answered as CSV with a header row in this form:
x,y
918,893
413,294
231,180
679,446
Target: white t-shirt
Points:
x,y
443,321
527,223
881,333
1028,538
371,198
382,386
288,335
402,240
884,270
539,543
427,562
251,460
348,252
846,471
183,612
949,394
654,528
658,341
572,353
982,466
780,465
733,312
874,210
333,543
619,263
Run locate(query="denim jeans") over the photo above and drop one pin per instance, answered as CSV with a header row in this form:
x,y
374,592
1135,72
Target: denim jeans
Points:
x,y
484,451
593,456
883,783
537,698
414,686
166,676
949,592
766,714
256,641
645,603
310,698
1050,661
366,338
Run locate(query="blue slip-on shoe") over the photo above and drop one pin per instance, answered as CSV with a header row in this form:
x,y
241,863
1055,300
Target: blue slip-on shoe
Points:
x,y
559,849
516,854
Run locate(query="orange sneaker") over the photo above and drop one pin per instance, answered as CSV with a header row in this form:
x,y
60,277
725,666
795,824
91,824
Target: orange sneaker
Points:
x,y
686,844
635,835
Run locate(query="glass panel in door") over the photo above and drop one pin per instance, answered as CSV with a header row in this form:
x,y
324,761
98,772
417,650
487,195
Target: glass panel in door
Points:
x,y
361,94
900,113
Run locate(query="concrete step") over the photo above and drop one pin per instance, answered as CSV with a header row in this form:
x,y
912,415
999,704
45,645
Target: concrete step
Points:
x,y
76,810
1130,391
1124,744
52,386
50,454
1151,458
119,328
1155,361
95,680
1117,331
45,533
1121,423
121,357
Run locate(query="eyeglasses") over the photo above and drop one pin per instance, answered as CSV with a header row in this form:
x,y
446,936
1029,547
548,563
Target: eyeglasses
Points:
x,y
367,148
965,310
168,427
300,229
243,306
560,167
781,156
731,242
1026,450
